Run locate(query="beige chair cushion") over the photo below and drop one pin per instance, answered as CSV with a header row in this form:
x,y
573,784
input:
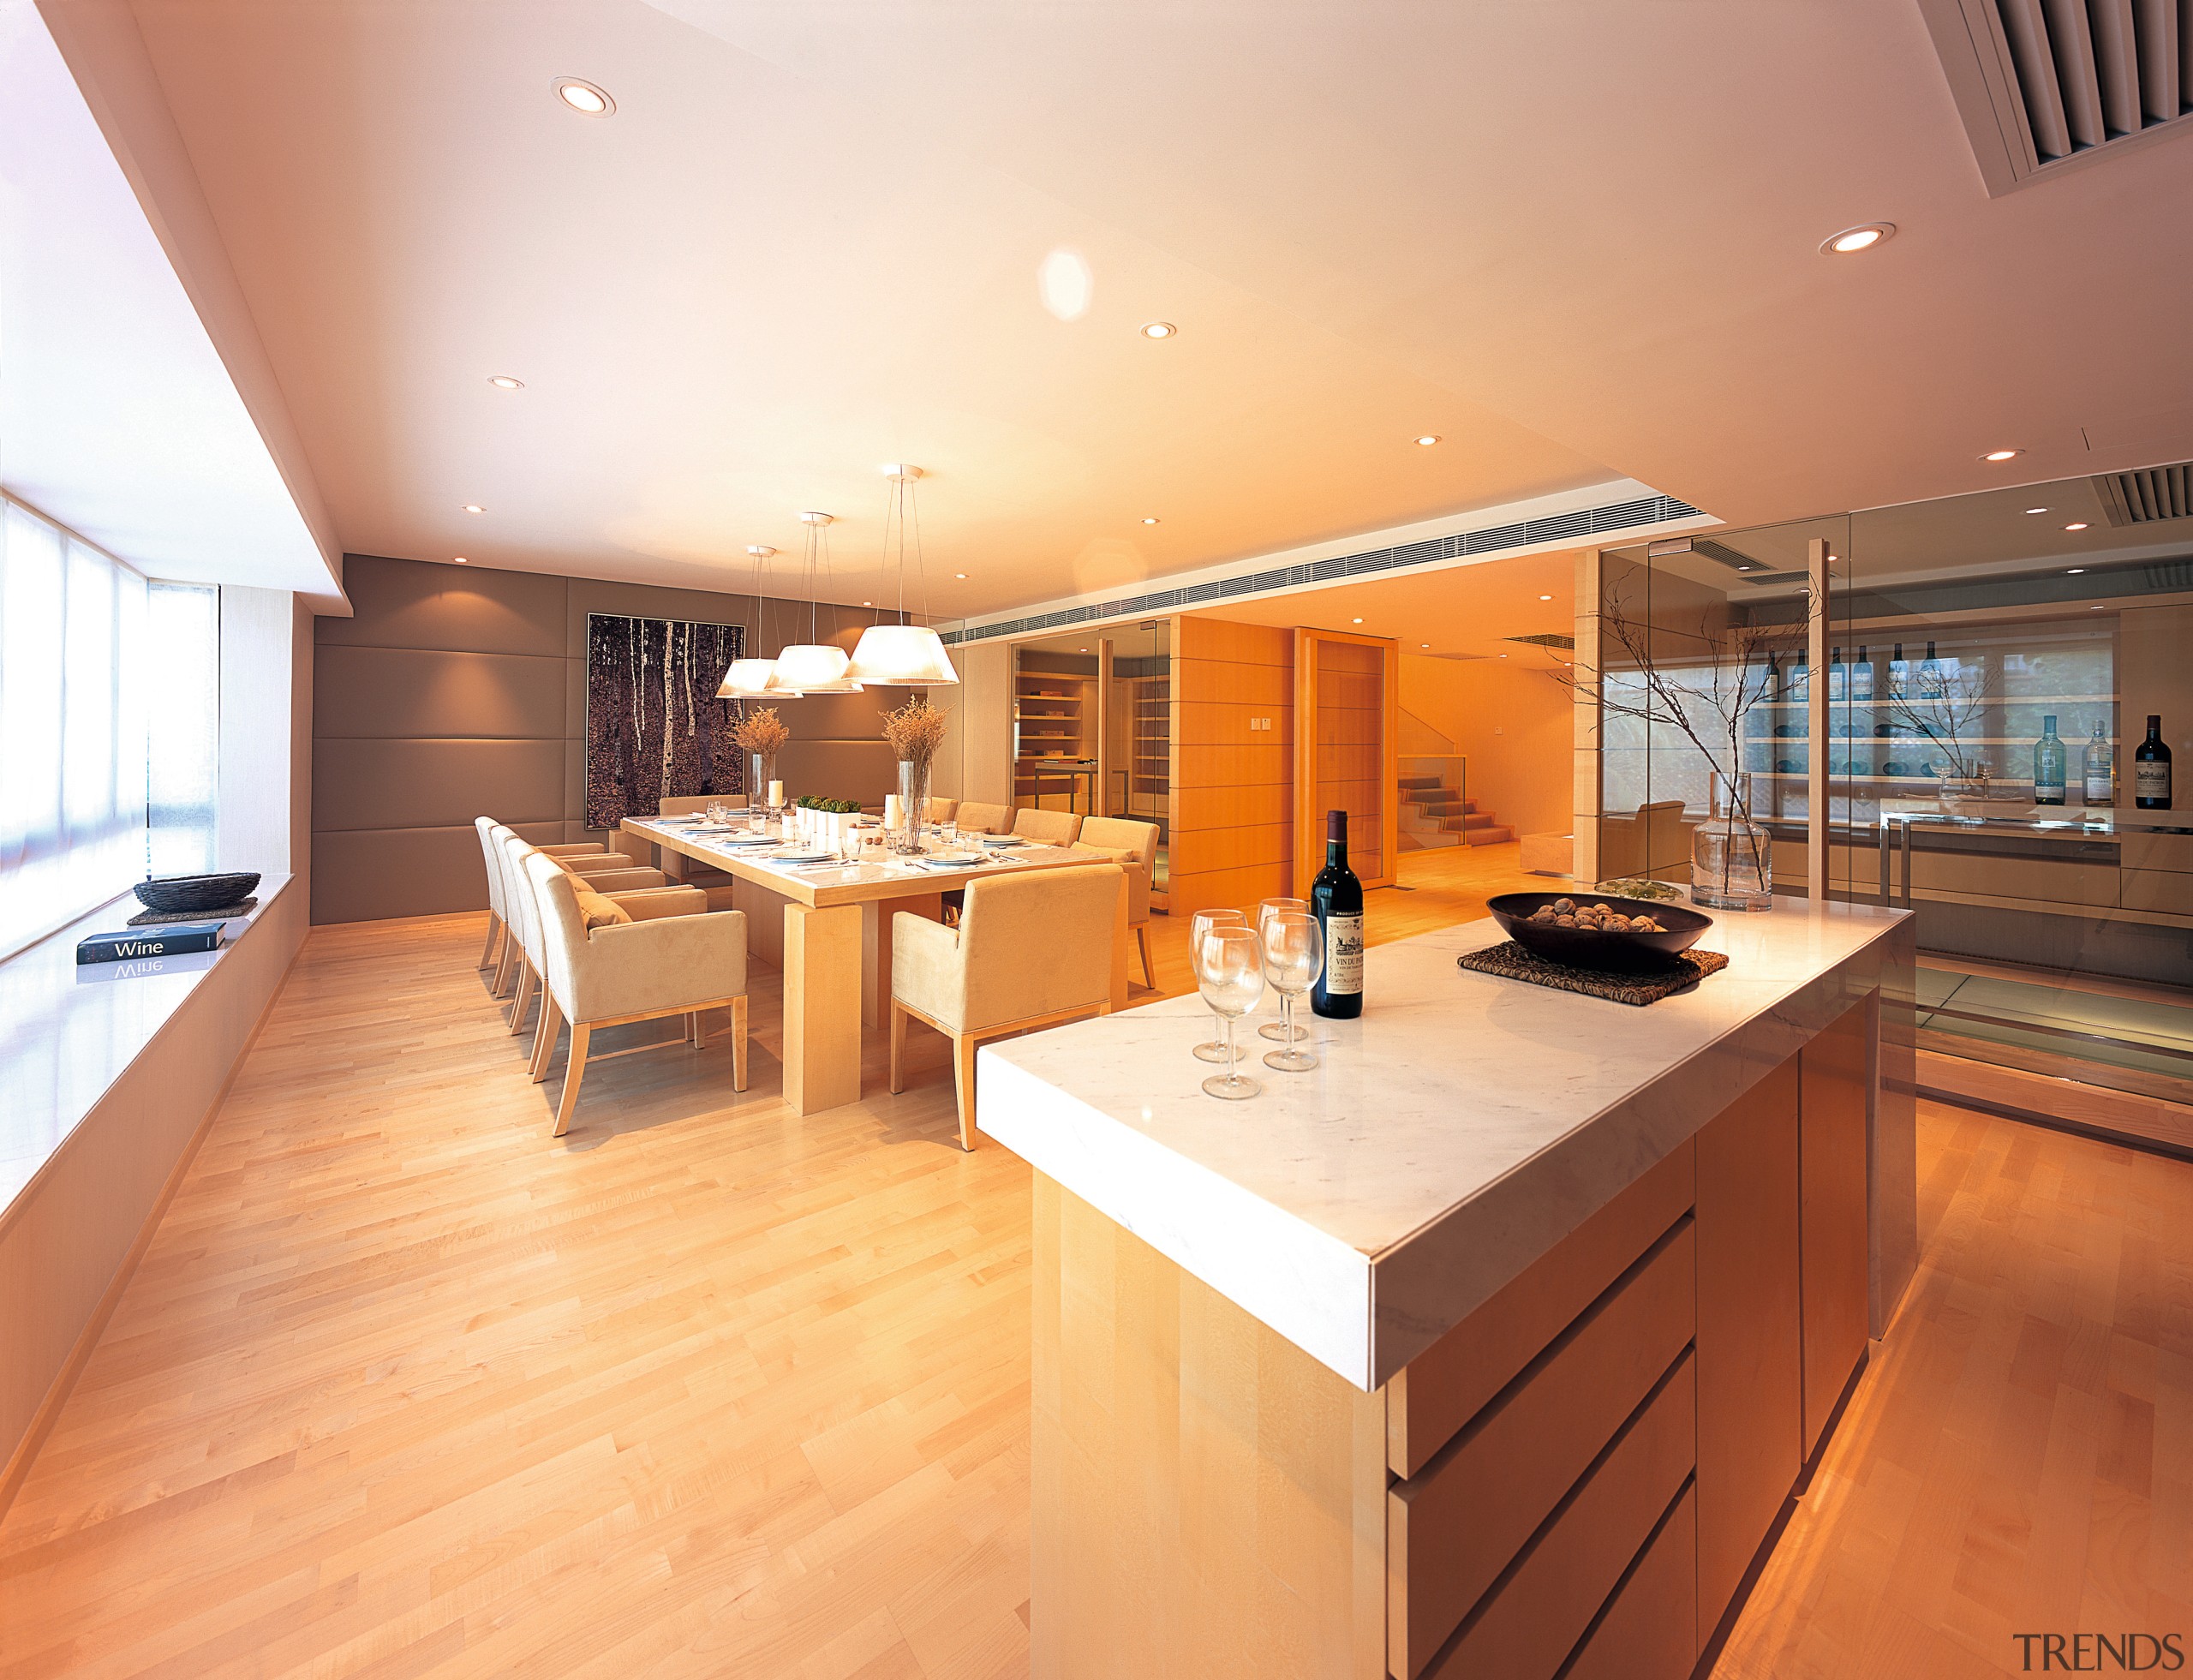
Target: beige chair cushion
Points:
x,y
1138,875
980,819
939,810
597,912
653,904
1048,827
587,863
1122,832
1026,946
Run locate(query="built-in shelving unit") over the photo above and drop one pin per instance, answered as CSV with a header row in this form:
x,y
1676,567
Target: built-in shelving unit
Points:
x,y
1054,729
1149,749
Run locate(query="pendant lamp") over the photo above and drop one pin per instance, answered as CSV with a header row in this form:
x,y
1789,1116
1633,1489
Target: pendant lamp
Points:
x,y
905,654
754,679
815,666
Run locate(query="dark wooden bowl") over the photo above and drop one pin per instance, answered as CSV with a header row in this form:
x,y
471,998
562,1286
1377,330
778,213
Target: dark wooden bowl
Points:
x,y
174,894
1581,948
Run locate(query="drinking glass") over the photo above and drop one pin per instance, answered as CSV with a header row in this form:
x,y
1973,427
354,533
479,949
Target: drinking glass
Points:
x,y
1284,1029
1232,980
1294,955
1205,922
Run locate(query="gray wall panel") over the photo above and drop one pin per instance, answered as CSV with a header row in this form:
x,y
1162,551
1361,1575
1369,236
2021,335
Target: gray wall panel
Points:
x,y
464,609
434,784
405,693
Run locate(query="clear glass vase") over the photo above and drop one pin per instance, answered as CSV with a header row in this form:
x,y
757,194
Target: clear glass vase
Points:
x,y
1731,856
913,806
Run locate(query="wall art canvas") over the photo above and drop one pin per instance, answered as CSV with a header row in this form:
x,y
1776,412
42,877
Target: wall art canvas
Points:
x,y
655,728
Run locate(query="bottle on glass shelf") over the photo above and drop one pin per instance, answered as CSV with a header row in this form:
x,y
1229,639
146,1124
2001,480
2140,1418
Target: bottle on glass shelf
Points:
x,y
1834,677
2151,769
1897,672
2095,766
1336,901
2050,761
1862,680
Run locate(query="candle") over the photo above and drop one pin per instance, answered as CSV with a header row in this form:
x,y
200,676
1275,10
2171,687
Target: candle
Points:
x,y
776,793
891,810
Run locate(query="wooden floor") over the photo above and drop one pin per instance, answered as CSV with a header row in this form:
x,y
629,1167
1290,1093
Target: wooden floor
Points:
x,y
406,1387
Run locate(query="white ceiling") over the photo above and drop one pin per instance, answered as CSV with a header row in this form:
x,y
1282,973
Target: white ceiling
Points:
x,y
117,416
1576,238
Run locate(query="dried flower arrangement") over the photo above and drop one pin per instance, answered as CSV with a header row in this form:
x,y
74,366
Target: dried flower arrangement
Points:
x,y
762,731
915,732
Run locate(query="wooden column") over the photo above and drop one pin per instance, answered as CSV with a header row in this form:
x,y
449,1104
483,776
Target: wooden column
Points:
x,y
1584,827
1816,552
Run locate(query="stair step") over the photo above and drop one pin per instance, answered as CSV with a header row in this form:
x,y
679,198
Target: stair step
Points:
x,y
1488,836
1407,782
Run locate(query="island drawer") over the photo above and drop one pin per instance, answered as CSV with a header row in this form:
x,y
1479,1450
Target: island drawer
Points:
x,y
1527,1626
1454,1528
1650,1628
1451,1381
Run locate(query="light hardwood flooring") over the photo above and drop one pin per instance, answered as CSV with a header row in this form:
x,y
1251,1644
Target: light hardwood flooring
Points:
x,y
406,1387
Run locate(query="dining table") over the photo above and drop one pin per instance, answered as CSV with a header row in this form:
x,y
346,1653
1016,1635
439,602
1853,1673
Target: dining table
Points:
x,y
826,924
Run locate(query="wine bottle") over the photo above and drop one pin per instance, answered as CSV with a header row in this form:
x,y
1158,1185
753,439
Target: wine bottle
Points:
x,y
2050,761
2094,767
2151,769
1834,677
1861,679
1336,901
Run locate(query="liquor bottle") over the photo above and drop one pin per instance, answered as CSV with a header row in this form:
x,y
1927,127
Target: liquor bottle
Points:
x,y
1862,680
1898,673
1930,670
2050,761
1336,901
1834,677
2094,767
2151,769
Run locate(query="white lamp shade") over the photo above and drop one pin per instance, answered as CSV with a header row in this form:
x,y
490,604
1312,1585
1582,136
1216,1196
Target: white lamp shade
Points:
x,y
816,667
903,656
752,679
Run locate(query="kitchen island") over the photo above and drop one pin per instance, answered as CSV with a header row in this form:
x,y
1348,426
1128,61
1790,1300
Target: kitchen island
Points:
x,y
1494,1345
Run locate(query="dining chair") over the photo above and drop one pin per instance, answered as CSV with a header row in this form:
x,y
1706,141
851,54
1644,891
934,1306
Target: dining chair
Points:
x,y
1133,846
941,810
1031,950
491,857
980,819
654,899
1047,828
606,969
676,864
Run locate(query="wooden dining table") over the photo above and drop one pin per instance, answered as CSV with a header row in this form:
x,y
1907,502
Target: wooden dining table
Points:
x,y
827,928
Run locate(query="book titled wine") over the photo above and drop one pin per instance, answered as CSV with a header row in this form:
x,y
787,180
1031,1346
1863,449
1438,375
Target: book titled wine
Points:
x,y
132,945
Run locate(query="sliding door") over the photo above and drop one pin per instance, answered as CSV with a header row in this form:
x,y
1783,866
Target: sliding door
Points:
x,y
1346,722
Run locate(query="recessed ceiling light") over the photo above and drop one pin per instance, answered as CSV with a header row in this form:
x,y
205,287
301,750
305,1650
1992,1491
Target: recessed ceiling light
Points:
x,y
1427,440
1863,237
1355,621
2002,455
2073,571
2095,609
584,97
868,603
2076,525
1545,597
1158,329
1747,568
459,559
1147,520
474,507
2036,510
1084,650
959,574
504,381
1424,644
1503,655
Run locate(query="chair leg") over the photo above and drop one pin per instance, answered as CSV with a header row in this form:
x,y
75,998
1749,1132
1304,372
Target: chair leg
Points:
x,y
544,1036
963,1082
1142,944
494,933
898,1047
738,1043
695,1030
574,1071
503,962
524,997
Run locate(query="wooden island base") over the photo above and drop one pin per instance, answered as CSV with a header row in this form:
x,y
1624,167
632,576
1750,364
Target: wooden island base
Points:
x,y
1573,1480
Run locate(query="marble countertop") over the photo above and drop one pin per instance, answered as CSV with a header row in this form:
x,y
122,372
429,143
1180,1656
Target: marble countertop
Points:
x,y
1453,1134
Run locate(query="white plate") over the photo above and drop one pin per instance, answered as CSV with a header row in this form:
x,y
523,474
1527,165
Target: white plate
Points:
x,y
939,860
805,857
1001,840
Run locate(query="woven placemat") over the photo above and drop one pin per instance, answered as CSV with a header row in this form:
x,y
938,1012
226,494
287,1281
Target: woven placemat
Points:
x,y
1510,962
156,919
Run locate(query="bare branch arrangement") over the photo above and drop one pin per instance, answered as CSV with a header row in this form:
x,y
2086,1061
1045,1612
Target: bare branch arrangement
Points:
x,y
1946,708
915,732
1703,681
762,731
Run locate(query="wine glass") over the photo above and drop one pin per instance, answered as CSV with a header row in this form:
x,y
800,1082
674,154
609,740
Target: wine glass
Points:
x,y
1284,1029
1232,980
1205,923
1294,955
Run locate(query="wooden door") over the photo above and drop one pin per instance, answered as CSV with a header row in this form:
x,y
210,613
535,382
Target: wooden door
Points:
x,y
1347,730
1833,1185
1750,1336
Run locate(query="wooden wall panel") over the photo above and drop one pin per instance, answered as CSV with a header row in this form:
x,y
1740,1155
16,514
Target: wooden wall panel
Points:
x,y
1233,834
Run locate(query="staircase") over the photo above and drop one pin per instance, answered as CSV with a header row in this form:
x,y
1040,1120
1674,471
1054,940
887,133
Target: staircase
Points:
x,y
1435,813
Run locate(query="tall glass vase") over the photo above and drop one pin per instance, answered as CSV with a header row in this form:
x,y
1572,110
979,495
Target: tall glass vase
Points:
x,y
913,805
1731,856
762,771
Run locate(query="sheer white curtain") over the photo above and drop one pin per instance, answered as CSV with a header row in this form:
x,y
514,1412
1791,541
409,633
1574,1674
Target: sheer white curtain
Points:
x,y
77,663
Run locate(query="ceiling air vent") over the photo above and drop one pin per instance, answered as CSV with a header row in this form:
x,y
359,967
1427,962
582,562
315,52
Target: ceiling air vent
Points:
x,y
2042,84
1544,641
2143,497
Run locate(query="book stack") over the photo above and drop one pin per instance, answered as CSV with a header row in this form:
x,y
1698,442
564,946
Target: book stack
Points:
x,y
136,945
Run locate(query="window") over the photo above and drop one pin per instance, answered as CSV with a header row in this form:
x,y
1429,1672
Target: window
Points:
x,y
90,653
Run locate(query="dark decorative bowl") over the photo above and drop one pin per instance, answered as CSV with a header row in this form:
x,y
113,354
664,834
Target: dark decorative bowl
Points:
x,y
1580,948
174,894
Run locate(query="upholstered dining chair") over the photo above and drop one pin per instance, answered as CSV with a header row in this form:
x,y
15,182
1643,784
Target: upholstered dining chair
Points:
x,y
676,864
491,857
1047,828
512,967
654,898
980,819
1031,950
941,810
606,969
1133,847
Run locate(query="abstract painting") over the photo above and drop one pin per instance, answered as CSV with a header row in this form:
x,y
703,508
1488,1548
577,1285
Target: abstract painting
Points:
x,y
654,729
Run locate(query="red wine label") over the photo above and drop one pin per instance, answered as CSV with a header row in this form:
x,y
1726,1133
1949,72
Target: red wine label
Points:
x,y
1343,954
2151,779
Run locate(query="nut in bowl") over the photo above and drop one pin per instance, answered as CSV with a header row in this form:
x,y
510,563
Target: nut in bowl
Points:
x,y
1593,930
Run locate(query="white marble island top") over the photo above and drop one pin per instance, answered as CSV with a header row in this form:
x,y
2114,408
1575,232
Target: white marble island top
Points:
x,y
1453,1135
